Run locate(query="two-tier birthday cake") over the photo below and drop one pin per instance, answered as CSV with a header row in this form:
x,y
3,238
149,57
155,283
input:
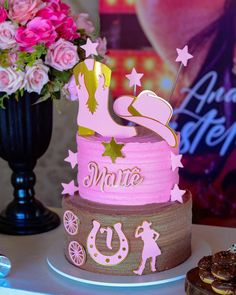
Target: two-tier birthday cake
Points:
x,y
128,215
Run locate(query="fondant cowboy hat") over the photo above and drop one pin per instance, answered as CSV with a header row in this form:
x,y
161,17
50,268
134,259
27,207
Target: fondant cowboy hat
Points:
x,y
147,110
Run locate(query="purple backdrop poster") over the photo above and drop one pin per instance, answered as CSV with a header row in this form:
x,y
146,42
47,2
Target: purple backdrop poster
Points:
x,y
145,34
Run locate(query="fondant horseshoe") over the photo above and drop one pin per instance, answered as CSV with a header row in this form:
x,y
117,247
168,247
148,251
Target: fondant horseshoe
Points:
x,y
107,260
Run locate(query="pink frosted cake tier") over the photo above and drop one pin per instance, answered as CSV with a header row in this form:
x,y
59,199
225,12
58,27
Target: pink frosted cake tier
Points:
x,y
143,176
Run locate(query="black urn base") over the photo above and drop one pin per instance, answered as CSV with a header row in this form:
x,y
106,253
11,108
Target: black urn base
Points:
x,y
25,133
27,220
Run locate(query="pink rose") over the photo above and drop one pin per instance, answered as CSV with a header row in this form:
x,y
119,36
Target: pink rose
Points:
x,y
3,14
7,35
22,11
102,46
37,31
67,30
56,12
62,55
83,22
11,80
36,77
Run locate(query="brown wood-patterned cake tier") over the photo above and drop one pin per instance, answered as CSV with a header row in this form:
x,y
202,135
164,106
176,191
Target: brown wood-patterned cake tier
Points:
x,y
172,221
195,286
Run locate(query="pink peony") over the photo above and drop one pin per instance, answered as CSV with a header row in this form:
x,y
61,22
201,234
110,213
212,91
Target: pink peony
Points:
x,y
3,14
36,77
11,80
56,17
83,22
58,5
67,30
37,31
7,35
21,11
56,12
62,55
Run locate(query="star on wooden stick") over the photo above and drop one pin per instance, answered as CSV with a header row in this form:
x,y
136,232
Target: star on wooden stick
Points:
x,y
113,150
183,55
134,78
90,48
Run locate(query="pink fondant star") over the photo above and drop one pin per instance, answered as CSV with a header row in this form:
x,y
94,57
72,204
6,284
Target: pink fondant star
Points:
x,y
72,159
134,78
183,55
69,188
90,48
176,161
176,194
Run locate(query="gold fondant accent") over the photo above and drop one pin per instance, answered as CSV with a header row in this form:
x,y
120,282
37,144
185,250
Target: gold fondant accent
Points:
x,y
83,131
113,150
91,78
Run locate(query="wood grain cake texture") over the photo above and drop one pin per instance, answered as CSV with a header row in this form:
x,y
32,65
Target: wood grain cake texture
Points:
x,y
171,220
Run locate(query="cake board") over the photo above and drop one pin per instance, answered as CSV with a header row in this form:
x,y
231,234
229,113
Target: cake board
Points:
x,y
59,264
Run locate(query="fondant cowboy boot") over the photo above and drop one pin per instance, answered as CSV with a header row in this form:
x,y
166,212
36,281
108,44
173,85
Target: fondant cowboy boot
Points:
x,y
147,110
93,80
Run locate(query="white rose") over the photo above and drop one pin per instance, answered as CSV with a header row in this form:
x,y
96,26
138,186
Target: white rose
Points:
x,y
36,77
11,80
7,35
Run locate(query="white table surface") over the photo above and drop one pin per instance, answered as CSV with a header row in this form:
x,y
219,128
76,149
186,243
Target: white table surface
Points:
x,y
31,275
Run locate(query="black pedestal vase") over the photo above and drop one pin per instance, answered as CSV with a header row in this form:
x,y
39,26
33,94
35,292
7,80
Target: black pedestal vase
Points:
x,y
25,133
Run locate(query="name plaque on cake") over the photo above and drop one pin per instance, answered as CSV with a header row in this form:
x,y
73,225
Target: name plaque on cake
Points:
x,y
105,179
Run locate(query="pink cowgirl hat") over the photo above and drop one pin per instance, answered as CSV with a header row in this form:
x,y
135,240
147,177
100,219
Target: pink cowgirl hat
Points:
x,y
149,111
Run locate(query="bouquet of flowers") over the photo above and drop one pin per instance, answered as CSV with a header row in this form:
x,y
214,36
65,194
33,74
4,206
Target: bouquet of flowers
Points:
x,y
39,45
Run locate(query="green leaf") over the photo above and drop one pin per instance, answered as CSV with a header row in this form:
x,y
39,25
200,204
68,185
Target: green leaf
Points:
x,y
51,90
21,91
2,98
4,58
43,98
40,49
6,4
62,76
29,59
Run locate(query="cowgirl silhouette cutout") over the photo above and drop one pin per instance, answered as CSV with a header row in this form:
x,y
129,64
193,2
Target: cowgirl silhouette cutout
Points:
x,y
150,248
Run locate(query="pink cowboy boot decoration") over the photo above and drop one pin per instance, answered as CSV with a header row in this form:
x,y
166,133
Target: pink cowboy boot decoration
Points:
x,y
93,80
150,248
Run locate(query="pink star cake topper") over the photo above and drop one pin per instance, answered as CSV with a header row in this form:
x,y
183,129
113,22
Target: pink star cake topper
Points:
x,y
90,48
176,161
183,55
134,78
177,194
72,159
69,188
